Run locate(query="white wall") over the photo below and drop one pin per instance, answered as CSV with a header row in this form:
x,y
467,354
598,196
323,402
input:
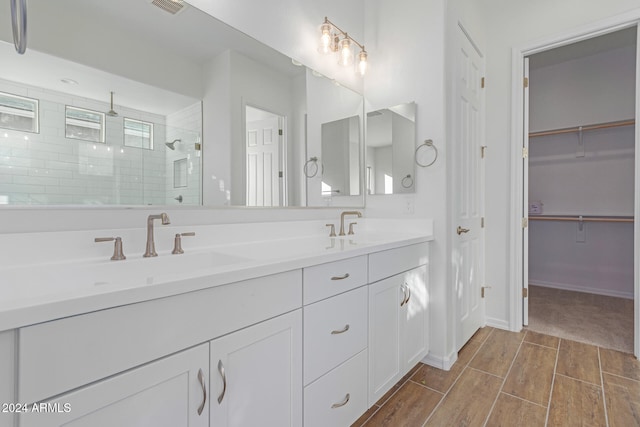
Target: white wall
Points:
x,y
512,23
583,91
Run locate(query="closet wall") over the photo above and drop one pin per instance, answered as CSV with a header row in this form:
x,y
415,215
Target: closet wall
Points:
x,y
592,175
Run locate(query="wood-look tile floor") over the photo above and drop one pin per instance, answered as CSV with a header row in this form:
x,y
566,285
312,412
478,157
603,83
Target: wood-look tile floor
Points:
x,y
513,379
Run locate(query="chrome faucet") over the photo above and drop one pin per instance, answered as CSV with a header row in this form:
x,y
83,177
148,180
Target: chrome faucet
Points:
x,y
342,215
151,245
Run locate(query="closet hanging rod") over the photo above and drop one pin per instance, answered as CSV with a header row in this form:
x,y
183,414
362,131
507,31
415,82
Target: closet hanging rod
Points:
x,y
584,128
584,219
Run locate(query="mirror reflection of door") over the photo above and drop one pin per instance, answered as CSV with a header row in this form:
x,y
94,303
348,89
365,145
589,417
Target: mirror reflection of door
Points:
x,y
265,174
341,157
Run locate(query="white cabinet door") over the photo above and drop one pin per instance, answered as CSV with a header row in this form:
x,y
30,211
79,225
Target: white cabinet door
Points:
x,y
169,392
385,298
398,328
256,375
414,332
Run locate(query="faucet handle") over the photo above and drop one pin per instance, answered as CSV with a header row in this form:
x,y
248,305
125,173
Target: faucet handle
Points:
x,y
118,254
332,230
177,243
351,224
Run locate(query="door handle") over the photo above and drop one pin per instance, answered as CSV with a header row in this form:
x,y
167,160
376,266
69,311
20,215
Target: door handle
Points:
x,y
224,381
204,391
461,230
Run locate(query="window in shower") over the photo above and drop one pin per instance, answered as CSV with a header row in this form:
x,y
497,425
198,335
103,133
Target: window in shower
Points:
x,y
18,113
84,124
138,134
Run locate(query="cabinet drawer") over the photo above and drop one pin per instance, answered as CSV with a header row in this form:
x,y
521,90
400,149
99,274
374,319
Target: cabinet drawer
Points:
x,y
324,400
334,330
325,280
393,261
68,353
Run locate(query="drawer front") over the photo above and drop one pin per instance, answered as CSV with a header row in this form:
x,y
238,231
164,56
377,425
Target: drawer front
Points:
x,y
335,329
64,354
325,280
393,261
325,401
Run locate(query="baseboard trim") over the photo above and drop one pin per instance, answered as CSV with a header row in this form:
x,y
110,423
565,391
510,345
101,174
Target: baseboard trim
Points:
x,y
498,323
577,288
444,363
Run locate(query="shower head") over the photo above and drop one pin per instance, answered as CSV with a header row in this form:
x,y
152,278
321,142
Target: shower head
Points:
x,y
111,112
172,144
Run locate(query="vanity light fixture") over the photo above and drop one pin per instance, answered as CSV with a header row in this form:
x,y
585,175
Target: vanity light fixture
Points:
x,y
334,40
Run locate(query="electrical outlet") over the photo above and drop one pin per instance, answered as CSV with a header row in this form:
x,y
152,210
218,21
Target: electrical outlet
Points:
x,y
409,207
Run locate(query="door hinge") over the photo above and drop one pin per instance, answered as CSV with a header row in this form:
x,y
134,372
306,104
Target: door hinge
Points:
x,y
482,222
280,174
525,222
482,151
198,147
482,290
526,82
482,83
525,152
280,132
525,293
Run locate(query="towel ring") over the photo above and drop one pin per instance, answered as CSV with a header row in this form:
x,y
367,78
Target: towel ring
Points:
x,y
427,143
313,160
407,181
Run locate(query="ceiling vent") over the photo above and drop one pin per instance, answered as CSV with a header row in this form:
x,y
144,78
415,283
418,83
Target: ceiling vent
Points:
x,y
172,6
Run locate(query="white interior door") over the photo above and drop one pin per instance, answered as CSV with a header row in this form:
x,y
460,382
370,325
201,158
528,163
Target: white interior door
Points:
x,y
263,162
636,238
468,237
525,197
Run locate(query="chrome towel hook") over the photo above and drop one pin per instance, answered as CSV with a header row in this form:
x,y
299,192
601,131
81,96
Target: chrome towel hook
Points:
x,y
19,25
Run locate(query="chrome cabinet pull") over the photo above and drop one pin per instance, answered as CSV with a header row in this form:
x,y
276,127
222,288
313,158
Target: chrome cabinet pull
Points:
x,y
224,381
461,230
404,295
344,402
342,331
340,277
204,391
409,292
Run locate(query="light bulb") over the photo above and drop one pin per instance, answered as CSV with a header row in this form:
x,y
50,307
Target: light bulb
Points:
x,y
325,39
346,55
363,64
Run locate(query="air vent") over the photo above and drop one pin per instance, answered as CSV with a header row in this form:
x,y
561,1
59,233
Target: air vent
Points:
x,y
171,6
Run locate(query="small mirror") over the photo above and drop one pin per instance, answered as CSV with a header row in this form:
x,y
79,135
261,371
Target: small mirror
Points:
x,y
391,135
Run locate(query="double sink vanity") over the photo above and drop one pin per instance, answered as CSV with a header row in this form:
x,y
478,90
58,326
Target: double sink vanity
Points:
x,y
291,328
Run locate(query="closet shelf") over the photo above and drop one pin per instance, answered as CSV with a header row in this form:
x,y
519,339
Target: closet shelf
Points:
x,y
584,128
581,218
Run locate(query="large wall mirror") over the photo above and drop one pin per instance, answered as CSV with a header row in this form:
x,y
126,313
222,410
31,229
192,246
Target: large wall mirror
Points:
x,y
391,143
133,104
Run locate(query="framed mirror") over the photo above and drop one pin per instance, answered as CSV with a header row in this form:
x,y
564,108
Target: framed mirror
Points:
x,y
391,142
117,109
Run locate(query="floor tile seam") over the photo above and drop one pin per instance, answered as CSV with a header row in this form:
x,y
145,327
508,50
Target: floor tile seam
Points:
x,y
541,345
604,397
485,372
444,396
619,376
579,380
553,381
523,399
430,388
370,416
504,380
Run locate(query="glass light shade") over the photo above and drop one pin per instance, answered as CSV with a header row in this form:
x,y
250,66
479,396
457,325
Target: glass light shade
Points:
x,y
346,54
363,64
325,39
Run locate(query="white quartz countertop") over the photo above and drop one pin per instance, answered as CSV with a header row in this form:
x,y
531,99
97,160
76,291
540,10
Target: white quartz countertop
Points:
x,y
37,292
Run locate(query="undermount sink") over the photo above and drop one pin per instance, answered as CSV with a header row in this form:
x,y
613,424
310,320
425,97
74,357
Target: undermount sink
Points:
x,y
135,271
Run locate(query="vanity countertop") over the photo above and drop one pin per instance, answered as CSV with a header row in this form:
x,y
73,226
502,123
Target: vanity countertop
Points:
x,y
40,292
